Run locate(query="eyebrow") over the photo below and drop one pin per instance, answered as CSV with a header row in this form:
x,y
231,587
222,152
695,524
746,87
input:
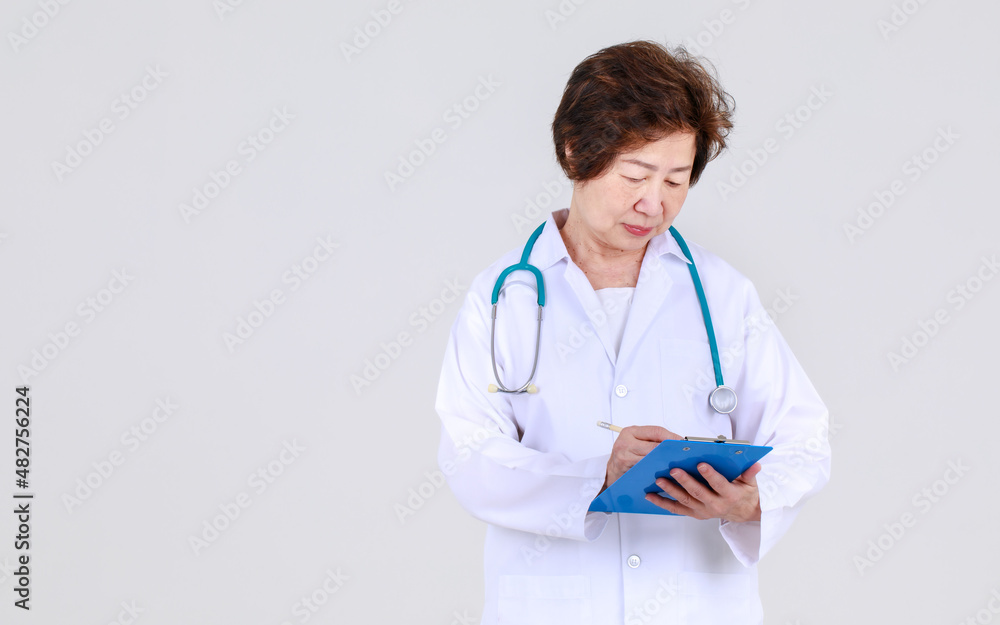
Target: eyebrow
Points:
x,y
653,167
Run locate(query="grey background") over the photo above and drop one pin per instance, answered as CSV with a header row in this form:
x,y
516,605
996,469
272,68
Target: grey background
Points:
x,y
335,507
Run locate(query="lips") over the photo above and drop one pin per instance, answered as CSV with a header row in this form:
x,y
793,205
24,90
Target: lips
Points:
x,y
637,231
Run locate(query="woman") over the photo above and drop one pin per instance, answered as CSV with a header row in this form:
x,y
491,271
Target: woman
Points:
x,y
623,340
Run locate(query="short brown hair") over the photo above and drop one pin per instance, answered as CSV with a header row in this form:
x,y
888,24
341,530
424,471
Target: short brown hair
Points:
x,y
630,94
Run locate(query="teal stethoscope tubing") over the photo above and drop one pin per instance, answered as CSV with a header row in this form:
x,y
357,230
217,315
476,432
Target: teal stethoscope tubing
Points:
x,y
527,387
722,398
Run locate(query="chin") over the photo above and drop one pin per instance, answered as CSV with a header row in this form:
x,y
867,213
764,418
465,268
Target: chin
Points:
x,y
632,244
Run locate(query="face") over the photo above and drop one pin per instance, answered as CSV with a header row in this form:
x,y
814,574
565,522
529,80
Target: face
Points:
x,y
637,198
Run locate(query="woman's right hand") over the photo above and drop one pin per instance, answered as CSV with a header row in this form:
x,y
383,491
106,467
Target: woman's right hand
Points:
x,y
632,444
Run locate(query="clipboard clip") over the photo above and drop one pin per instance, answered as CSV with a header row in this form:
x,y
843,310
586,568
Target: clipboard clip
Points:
x,y
719,439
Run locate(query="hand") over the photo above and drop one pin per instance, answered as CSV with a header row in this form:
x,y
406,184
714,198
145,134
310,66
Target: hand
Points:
x,y
737,501
632,444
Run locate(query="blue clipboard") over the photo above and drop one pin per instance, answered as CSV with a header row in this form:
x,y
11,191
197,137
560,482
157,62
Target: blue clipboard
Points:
x,y
628,493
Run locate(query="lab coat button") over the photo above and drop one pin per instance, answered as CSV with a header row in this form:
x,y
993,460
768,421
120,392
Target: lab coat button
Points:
x,y
633,561
621,390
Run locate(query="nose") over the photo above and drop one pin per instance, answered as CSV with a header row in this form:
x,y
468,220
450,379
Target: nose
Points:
x,y
651,201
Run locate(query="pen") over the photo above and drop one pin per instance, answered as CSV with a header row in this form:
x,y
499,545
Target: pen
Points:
x,y
609,426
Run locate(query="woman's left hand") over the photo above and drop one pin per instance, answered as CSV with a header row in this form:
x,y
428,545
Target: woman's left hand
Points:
x,y
737,501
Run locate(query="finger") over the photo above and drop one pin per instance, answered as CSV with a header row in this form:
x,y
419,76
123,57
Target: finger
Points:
x,y
692,486
635,450
668,504
750,475
653,433
680,495
642,446
623,461
716,480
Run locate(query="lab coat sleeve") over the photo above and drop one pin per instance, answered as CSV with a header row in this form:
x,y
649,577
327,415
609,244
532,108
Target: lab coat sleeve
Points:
x,y
493,475
775,393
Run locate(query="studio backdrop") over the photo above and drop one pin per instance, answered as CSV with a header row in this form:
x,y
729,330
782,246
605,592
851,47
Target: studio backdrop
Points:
x,y
234,235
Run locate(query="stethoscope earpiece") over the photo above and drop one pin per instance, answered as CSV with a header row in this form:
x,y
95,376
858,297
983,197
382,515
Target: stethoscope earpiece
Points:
x,y
527,387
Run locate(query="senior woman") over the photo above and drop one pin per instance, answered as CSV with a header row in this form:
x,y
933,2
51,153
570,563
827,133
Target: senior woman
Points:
x,y
623,340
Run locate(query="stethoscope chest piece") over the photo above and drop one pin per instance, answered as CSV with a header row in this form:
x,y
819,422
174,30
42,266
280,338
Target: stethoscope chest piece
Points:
x,y
723,399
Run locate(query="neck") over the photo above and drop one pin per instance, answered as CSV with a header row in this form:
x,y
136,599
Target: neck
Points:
x,y
605,267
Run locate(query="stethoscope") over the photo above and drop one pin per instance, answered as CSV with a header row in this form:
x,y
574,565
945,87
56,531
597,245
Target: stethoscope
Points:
x,y
722,398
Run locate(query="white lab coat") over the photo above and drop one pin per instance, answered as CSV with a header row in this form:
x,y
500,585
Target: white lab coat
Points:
x,y
529,465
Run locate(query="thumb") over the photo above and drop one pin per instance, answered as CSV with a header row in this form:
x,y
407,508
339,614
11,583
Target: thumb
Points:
x,y
750,475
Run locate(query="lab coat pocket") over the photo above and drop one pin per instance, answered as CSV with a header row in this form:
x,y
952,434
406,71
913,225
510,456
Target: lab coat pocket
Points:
x,y
527,599
730,598
687,379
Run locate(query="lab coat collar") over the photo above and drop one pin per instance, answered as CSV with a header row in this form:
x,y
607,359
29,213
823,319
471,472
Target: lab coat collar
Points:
x,y
550,247
653,284
666,244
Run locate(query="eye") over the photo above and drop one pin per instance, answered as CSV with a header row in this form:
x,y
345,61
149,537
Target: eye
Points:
x,y
673,184
633,179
